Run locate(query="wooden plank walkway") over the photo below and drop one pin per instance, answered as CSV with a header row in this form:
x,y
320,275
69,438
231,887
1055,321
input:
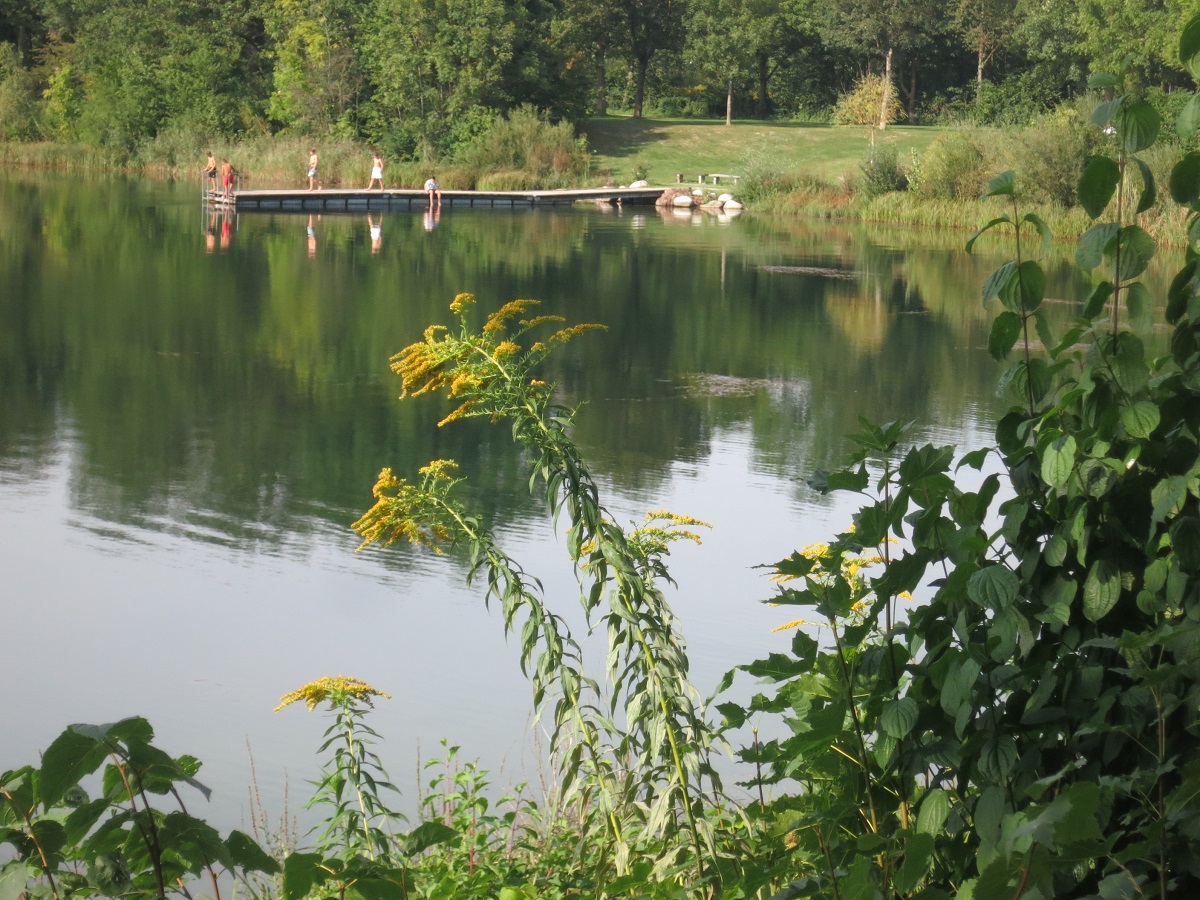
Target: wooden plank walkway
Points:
x,y
339,199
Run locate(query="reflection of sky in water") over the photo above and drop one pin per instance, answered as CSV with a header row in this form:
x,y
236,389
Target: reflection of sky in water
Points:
x,y
249,626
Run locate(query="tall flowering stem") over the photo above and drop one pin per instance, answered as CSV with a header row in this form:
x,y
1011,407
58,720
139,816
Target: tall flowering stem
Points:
x,y
653,758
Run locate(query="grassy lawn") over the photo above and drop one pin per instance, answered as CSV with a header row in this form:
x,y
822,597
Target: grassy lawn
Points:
x,y
667,146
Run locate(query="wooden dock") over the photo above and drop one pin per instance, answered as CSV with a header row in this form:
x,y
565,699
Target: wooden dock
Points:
x,y
338,199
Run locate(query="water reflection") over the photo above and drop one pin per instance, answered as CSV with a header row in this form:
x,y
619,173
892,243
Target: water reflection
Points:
x,y
186,434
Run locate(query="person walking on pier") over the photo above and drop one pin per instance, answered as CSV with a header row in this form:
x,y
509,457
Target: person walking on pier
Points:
x,y
312,169
433,189
376,171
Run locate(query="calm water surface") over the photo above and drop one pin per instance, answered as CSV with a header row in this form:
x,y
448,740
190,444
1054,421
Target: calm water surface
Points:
x,y
193,409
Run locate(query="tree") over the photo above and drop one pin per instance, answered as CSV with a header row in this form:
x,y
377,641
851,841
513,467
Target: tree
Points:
x,y
880,27
651,25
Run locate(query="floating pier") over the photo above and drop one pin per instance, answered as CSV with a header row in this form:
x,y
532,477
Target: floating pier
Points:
x,y
337,199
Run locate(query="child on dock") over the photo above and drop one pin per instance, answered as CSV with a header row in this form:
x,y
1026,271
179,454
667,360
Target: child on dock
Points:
x,y
432,189
210,172
312,169
376,171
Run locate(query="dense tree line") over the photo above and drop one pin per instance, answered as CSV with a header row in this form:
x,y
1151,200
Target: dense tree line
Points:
x,y
420,77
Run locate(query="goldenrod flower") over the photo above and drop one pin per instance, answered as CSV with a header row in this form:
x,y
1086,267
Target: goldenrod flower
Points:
x,y
461,302
338,690
499,319
507,348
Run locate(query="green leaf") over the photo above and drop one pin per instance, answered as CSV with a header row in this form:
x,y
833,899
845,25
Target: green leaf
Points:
x,y
918,852
1103,114
998,758
1023,292
1043,230
1184,181
1188,120
998,279
1168,497
1002,185
1089,252
1058,461
68,759
1098,299
1185,539
993,587
1103,80
986,228
301,871
1140,420
899,717
933,811
1097,184
1101,590
1006,329
12,881
1149,191
1056,551
1129,253
1137,125
426,835
1189,47
248,856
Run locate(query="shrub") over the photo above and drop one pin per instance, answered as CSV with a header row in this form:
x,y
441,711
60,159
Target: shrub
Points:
x,y
16,97
1051,152
952,168
881,172
861,106
527,141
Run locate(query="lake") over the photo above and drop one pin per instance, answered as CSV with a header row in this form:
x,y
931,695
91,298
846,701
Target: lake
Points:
x,y
194,408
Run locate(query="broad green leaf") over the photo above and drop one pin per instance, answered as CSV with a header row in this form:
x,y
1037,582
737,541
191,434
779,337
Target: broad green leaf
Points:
x,y
1089,252
1185,539
1184,181
1043,230
1181,292
918,852
1097,184
1137,125
13,880
426,835
1189,47
1103,114
998,758
1023,292
1058,461
1006,329
1101,590
1129,253
68,759
1138,300
899,717
1140,420
1002,185
248,856
998,279
986,228
1188,120
1168,497
1103,80
993,587
1149,191
301,871
1098,299
933,811
1055,553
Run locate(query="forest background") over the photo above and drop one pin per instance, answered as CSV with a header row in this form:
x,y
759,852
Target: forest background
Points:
x,y
156,82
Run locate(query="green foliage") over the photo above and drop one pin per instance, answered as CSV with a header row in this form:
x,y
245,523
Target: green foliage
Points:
x,y
118,843
881,172
1027,727
1051,152
17,101
953,168
526,141
863,104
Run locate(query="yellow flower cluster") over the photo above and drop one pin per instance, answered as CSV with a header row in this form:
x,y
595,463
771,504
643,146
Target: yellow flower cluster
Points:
x,y
565,334
507,348
463,409
498,320
336,689
461,302
538,320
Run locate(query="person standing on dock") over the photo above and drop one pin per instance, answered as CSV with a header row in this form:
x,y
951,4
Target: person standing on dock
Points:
x,y
376,171
226,176
210,172
312,168
432,189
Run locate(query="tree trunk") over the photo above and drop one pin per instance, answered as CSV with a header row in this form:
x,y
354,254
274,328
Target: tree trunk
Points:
x,y
763,102
601,83
979,61
729,102
912,93
639,91
887,89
